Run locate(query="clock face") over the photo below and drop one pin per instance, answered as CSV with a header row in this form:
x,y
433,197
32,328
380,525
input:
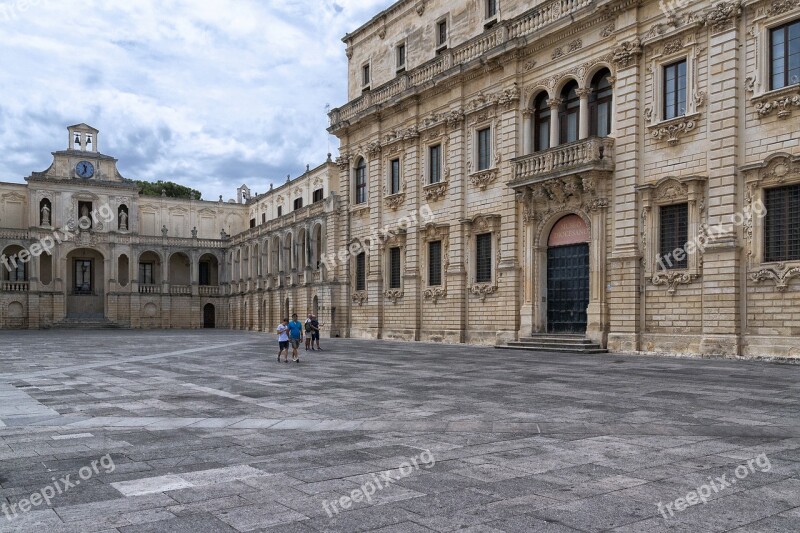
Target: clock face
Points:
x,y
84,169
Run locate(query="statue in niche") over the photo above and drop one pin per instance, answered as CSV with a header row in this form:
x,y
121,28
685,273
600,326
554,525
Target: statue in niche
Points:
x,y
123,221
164,231
194,232
45,215
85,211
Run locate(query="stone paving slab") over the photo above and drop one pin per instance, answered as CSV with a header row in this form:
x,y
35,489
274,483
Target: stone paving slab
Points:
x,y
208,433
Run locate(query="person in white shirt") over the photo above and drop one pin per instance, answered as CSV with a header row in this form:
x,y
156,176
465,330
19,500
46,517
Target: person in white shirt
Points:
x,y
283,339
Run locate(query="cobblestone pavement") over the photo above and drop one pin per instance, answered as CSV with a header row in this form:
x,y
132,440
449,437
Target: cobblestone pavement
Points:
x,y
208,432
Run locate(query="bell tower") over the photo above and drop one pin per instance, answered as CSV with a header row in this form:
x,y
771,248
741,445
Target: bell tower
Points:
x,y
82,138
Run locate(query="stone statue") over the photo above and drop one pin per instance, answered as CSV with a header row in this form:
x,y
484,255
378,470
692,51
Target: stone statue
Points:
x,y
123,221
164,231
85,211
45,215
194,232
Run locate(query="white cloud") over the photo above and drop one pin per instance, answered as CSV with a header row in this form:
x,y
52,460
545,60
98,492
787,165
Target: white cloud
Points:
x,y
209,94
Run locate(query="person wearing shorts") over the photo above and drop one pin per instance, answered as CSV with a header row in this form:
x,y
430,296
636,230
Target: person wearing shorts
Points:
x,y
283,339
295,337
315,325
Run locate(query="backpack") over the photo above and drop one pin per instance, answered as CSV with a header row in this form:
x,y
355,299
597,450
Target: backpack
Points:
x,y
308,326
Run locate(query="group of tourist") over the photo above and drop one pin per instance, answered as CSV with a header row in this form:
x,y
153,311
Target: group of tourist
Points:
x,y
293,332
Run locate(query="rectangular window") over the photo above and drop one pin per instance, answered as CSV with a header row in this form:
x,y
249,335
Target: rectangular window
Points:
x,y
361,183
394,268
298,204
361,272
252,223
484,149
280,211
782,224
19,273
146,274
483,263
441,34
365,77
83,276
435,263
401,56
675,90
491,9
319,195
435,162
785,55
205,274
674,235
395,177
263,218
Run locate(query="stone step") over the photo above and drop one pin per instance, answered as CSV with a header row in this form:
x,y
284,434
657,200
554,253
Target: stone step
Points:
x,y
558,349
86,324
555,339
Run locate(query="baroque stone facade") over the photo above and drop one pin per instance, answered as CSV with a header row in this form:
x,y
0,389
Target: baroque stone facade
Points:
x,y
80,245
612,111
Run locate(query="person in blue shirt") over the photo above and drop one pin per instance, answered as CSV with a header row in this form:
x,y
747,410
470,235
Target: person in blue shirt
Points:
x,y
295,336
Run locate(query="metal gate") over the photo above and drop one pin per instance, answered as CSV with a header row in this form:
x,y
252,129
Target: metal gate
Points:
x,y
209,317
567,288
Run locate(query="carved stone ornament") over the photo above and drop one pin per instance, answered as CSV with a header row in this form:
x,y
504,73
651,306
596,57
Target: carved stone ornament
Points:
x,y
360,298
482,290
722,15
627,53
672,130
435,294
485,178
780,275
672,279
782,105
393,295
343,161
778,7
607,31
394,201
435,191
373,149
420,8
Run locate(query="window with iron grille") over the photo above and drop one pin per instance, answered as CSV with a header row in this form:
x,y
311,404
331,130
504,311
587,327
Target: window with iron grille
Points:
x,y
361,182
782,224
483,268
394,186
361,272
435,157
435,263
785,55
675,90
394,268
674,234
298,204
484,149
319,195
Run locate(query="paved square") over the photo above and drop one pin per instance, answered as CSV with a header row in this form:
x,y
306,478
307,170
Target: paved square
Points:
x,y
205,431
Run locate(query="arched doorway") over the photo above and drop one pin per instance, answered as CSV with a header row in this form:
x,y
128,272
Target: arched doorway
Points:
x,y
568,276
86,284
209,317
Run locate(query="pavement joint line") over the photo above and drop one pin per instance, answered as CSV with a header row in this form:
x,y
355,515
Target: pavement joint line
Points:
x,y
53,371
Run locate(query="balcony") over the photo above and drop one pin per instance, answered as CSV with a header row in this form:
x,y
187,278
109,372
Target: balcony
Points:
x,y
180,290
150,289
207,290
14,286
587,155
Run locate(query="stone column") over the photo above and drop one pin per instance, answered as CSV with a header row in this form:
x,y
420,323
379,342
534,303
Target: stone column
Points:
x,y
721,260
583,117
527,132
555,127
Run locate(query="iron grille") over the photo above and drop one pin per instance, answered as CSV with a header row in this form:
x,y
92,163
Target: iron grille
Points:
x,y
394,268
395,176
782,224
674,236
361,272
485,149
436,163
483,269
435,263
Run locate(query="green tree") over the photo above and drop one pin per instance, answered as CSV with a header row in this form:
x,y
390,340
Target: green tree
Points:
x,y
171,190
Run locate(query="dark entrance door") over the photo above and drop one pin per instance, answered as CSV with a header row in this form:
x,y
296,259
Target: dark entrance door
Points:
x,y
209,317
567,288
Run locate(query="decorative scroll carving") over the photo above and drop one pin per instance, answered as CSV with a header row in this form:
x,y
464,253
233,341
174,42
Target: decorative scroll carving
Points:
x,y
436,191
627,53
485,178
435,294
672,130
373,149
394,201
781,275
782,105
482,290
607,31
360,298
672,279
722,15
393,295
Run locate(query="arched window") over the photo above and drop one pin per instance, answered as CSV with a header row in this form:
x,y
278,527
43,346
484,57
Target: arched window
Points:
x,y
569,113
361,182
541,123
600,101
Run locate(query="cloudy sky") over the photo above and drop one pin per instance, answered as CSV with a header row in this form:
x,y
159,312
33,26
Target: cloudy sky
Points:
x,y
208,93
